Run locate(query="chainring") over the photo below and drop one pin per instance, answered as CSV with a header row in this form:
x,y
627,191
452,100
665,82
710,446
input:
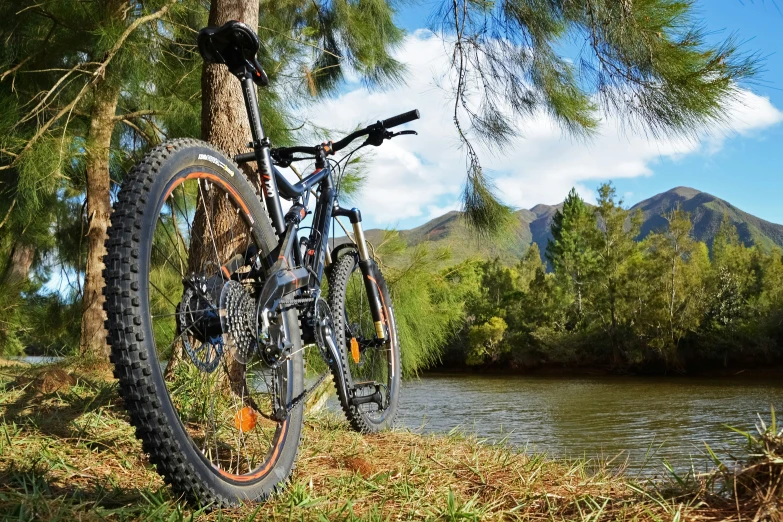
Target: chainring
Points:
x,y
237,320
322,318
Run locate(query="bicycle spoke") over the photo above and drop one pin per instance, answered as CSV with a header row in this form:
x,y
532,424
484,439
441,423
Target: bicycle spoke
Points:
x,y
211,402
209,222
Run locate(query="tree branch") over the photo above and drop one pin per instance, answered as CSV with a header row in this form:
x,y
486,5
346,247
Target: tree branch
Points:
x,y
97,76
288,37
45,126
8,214
132,27
20,64
41,104
15,68
138,130
135,114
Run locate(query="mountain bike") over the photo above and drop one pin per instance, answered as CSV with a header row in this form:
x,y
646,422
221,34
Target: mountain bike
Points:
x,y
214,299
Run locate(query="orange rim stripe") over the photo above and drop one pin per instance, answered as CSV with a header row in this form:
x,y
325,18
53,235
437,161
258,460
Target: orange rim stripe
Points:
x,y
212,177
263,471
283,427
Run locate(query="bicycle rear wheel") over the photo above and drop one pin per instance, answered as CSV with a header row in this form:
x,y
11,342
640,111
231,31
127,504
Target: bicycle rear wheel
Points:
x,y
184,264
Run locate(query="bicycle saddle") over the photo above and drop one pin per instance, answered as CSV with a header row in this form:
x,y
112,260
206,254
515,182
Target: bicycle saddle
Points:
x,y
235,45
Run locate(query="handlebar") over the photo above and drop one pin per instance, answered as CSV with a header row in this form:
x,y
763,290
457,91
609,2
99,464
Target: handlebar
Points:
x,y
400,119
331,148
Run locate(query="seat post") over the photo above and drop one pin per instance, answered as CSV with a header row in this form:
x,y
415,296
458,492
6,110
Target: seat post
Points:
x,y
261,148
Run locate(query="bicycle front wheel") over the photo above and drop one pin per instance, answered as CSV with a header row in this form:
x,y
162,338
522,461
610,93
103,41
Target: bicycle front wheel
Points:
x,y
184,265
371,366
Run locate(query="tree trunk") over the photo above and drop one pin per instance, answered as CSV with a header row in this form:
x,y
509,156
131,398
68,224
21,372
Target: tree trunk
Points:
x,y
93,334
18,266
223,115
224,123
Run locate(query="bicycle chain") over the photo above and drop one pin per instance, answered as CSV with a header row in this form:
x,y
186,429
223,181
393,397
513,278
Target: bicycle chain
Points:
x,y
306,394
296,301
302,397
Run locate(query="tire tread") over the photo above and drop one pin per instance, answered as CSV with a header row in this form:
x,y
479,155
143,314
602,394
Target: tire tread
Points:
x,y
125,332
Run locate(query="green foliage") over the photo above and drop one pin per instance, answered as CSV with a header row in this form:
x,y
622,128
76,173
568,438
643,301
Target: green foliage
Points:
x,y
316,44
673,270
648,62
484,340
610,300
485,214
428,305
56,57
571,252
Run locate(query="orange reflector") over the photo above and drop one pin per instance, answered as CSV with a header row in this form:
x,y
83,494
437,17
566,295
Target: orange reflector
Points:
x,y
245,419
355,350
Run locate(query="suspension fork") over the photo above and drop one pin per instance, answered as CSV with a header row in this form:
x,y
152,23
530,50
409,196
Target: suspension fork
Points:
x,y
366,266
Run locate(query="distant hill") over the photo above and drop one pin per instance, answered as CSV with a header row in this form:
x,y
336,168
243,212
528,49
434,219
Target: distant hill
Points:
x,y
706,215
706,210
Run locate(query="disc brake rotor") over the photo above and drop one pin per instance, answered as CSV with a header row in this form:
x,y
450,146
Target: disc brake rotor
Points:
x,y
204,351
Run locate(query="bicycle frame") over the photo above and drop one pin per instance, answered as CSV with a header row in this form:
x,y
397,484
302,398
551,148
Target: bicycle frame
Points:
x,y
293,271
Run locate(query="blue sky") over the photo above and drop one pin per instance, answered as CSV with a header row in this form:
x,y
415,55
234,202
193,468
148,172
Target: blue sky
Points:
x,y
415,179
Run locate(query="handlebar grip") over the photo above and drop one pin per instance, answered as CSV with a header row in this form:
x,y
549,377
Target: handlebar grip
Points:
x,y
245,157
400,119
251,156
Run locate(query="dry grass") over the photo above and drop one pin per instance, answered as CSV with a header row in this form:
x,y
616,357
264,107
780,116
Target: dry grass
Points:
x,y
68,453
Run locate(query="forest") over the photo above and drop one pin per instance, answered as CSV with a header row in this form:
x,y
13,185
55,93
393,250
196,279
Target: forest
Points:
x,y
88,88
667,303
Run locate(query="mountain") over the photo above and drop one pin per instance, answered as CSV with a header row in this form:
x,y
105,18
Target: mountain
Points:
x,y
450,231
706,211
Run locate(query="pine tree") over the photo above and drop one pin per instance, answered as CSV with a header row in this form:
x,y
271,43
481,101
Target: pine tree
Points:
x,y
67,68
528,267
648,62
81,105
484,341
731,282
678,266
616,248
571,250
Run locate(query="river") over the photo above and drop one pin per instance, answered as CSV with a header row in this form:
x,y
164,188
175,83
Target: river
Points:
x,y
643,419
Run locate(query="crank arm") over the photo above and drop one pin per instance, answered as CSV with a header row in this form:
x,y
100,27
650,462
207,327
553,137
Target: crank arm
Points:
x,y
335,362
372,343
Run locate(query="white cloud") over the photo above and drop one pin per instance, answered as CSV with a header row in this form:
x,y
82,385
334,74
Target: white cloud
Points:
x,y
415,178
434,211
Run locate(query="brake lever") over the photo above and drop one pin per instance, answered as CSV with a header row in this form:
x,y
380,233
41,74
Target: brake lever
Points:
x,y
403,133
376,137
281,160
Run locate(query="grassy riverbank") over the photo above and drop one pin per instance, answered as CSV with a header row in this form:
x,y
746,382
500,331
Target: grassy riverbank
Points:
x,y
68,453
